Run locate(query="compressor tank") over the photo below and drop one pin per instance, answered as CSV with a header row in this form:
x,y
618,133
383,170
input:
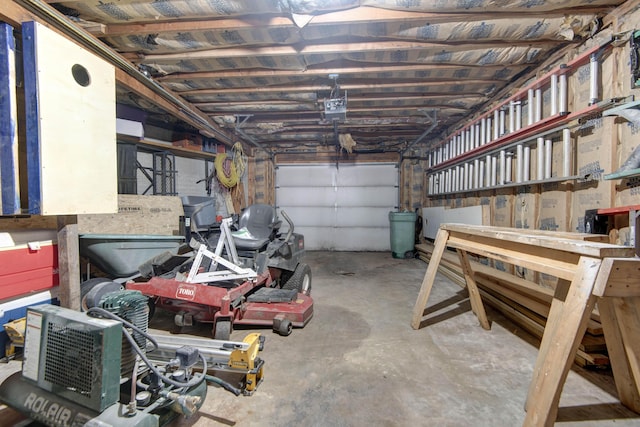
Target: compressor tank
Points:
x,y
56,411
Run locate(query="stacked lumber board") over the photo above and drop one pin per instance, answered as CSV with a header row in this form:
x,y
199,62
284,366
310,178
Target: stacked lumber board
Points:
x,y
524,302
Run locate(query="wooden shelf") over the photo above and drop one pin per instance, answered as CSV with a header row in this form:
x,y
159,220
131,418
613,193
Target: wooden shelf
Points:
x,y
166,146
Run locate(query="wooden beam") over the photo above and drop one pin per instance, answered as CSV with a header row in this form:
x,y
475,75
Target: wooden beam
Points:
x,y
582,357
329,48
556,263
560,344
620,278
295,120
359,70
69,262
423,97
330,157
214,111
250,108
220,24
421,84
258,104
472,287
411,101
328,137
625,8
15,15
549,239
429,278
302,124
349,16
625,381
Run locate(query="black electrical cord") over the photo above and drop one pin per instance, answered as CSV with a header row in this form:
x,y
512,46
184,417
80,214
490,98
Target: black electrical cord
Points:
x,y
225,385
197,379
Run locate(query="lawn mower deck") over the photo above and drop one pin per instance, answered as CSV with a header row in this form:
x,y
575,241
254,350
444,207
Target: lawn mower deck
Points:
x,y
250,303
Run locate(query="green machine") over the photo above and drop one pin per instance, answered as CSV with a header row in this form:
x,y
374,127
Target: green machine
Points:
x,y
91,368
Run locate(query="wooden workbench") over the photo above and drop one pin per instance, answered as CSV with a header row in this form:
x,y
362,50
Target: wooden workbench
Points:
x,y
588,272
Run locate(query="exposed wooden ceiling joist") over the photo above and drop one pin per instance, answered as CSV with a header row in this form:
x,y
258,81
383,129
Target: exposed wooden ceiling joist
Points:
x,y
328,48
361,14
325,71
273,61
327,87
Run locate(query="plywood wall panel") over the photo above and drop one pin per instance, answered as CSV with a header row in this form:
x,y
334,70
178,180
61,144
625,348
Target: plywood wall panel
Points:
x,y
158,215
71,135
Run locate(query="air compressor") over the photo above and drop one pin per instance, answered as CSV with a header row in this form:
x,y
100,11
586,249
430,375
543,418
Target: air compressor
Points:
x,y
91,368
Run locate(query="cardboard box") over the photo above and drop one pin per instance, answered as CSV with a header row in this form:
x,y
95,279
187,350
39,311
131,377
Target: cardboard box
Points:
x,y
554,206
502,208
502,216
526,206
188,141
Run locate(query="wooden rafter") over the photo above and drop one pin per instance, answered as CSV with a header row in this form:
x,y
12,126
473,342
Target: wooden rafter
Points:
x,y
350,86
361,14
327,48
322,71
352,100
247,110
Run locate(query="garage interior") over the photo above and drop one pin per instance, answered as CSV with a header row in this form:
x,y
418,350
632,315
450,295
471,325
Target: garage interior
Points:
x,y
464,176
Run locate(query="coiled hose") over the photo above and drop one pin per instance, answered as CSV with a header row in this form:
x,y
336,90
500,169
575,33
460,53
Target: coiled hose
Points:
x,y
230,172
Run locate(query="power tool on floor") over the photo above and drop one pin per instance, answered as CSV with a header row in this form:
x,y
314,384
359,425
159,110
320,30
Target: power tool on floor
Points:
x,y
94,368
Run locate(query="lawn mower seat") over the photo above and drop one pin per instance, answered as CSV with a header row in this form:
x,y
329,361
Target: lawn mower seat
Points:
x,y
256,227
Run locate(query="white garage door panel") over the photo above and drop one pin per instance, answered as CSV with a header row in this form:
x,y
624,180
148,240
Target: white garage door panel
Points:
x,y
301,176
317,238
299,196
359,217
357,239
308,217
366,196
362,239
369,175
346,196
345,208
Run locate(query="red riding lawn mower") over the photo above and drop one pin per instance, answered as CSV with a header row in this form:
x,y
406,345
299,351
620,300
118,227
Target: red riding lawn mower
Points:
x,y
253,277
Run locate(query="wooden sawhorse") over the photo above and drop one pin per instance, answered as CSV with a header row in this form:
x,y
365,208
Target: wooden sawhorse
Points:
x,y
587,272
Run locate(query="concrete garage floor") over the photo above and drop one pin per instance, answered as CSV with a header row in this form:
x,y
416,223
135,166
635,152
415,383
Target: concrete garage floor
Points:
x,y
359,362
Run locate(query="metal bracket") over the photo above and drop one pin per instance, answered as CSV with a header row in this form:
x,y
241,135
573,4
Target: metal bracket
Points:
x,y
634,60
225,241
